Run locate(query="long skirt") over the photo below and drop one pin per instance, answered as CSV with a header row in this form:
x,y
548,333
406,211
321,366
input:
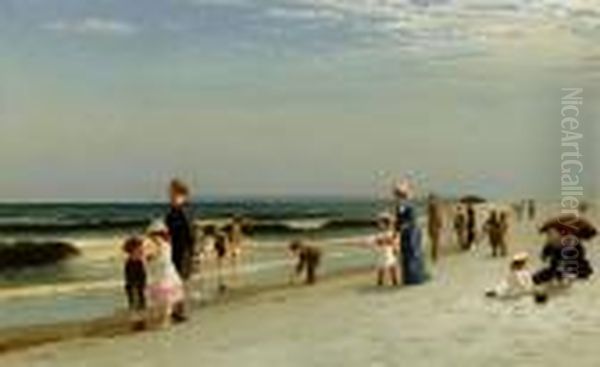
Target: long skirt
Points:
x,y
412,261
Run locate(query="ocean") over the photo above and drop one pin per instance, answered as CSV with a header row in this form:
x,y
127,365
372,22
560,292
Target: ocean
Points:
x,y
88,285
268,216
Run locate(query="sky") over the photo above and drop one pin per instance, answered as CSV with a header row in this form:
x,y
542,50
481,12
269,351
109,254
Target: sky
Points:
x,y
109,99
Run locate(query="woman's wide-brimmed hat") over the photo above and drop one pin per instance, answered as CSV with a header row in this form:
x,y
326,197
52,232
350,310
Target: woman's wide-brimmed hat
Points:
x,y
570,224
472,199
402,188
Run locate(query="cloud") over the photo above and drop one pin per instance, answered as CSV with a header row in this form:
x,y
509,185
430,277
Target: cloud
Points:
x,y
304,14
495,25
98,26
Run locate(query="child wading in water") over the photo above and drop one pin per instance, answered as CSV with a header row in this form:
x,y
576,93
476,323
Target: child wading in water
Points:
x,y
308,261
387,244
165,287
135,280
236,240
221,247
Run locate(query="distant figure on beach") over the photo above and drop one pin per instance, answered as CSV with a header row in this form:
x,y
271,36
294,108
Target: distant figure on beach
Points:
x,y
519,208
471,227
411,257
221,246
531,209
135,280
182,237
236,242
504,228
584,207
434,225
165,286
387,245
460,227
205,244
308,260
199,252
493,229
518,282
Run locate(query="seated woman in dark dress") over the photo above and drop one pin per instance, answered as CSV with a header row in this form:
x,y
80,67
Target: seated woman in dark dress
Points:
x,y
565,258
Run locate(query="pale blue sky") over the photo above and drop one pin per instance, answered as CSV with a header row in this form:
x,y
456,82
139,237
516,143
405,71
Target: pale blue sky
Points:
x,y
107,99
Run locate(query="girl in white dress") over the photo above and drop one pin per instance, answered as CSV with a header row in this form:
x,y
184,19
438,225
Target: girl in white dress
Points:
x,y
518,282
387,245
165,287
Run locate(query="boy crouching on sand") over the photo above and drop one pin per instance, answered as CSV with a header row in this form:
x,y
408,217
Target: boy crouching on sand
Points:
x,y
308,260
518,282
135,280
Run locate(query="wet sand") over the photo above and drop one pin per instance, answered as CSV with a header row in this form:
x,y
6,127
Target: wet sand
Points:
x,y
346,321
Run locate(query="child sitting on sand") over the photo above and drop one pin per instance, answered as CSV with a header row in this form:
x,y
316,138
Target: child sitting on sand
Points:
x,y
387,245
165,287
135,280
518,282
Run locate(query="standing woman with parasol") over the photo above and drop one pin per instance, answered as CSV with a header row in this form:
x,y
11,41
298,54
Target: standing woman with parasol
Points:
x,y
411,257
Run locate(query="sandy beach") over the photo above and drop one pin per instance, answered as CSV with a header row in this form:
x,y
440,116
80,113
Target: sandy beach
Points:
x,y
202,163
347,321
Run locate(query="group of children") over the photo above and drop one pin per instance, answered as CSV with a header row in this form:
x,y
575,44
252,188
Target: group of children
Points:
x,y
153,286
226,245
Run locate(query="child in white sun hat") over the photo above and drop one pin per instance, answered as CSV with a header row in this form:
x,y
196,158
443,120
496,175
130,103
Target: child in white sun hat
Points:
x,y
518,282
165,287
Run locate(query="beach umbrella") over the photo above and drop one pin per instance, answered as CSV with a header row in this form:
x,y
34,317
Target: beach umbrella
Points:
x,y
472,199
571,224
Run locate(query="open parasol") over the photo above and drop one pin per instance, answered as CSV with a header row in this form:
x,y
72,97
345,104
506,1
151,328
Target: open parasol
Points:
x,y
472,199
571,224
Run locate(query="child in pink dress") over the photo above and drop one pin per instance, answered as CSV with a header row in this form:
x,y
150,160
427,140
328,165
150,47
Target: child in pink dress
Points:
x,y
165,287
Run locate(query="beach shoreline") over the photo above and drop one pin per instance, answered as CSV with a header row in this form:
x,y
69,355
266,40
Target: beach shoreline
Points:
x,y
448,315
17,339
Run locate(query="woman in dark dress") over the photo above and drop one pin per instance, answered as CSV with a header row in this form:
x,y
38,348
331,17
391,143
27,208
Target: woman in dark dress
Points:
x,y
411,257
182,238
565,258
